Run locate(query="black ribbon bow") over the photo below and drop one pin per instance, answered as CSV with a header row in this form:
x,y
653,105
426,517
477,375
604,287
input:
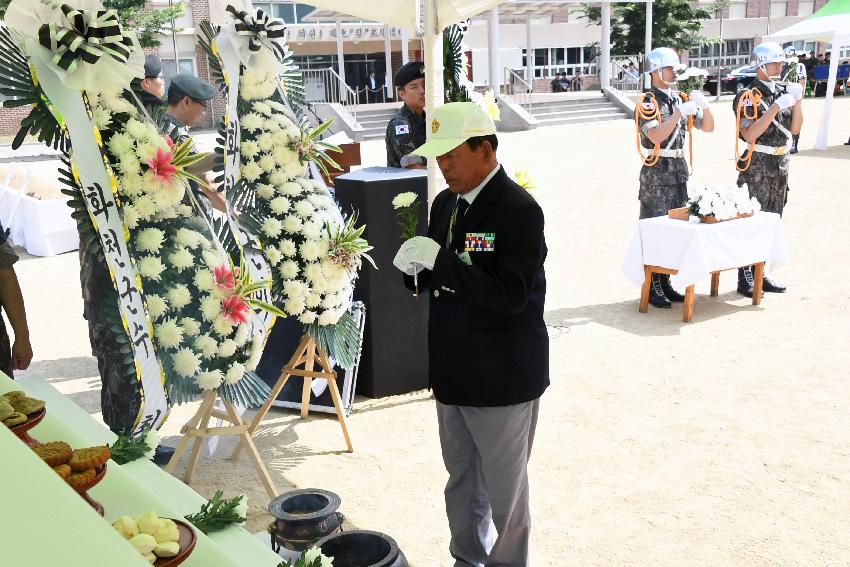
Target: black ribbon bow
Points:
x,y
85,36
261,29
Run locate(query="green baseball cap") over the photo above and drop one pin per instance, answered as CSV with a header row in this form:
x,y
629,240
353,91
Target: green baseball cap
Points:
x,y
452,124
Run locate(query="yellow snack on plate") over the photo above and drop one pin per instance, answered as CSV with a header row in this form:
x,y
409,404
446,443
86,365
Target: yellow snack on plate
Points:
x,y
126,526
169,549
167,532
151,558
148,523
144,543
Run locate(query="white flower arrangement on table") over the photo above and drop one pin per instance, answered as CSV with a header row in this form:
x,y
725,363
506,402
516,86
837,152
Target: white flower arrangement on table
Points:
x,y
691,79
199,304
721,201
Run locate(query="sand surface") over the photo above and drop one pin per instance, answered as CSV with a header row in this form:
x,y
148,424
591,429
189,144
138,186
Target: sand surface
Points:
x,y
725,441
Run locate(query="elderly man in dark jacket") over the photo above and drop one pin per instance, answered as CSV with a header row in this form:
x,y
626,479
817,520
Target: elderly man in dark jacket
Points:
x,y
487,343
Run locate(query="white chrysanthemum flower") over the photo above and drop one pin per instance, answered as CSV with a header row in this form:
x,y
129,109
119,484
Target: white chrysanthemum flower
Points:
x,y
251,171
265,191
314,299
152,441
279,205
120,144
265,141
186,362
102,117
251,121
287,247
313,272
266,163
191,328
262,107
271,227
131,216
204,280
292,224
308,317
294,305
291,189
185,211
129,165
288,270
212,258
241,335
281,142
273,255
146,151
179,296
249,149
149,240
327,318
293,132
312,230
271,126
156,306
210,308
168,334
222,327
227,348
151,267
278,178
188,237
330,301
304,208
145,207
234,374
256,353
207,346
276,105
181,259
295,288
319,285
136,129
210,380
403,200
311,250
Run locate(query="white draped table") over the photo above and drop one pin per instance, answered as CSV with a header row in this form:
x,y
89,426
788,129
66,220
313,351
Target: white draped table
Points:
x,y
692,252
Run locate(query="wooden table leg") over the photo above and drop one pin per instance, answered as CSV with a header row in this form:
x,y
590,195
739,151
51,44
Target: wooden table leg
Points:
x,y
688,311
758,277
715,284
644,291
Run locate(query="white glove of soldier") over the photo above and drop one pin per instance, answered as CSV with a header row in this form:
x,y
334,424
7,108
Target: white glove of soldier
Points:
x,y
796,90
699,99
786,101
687,108
416,254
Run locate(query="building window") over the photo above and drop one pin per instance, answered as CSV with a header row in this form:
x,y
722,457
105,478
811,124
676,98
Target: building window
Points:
x,y
737,10
186,66
736,53
289,12
806,8
777,9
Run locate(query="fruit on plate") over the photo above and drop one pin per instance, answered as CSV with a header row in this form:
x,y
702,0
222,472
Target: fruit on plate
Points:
x,y
151,535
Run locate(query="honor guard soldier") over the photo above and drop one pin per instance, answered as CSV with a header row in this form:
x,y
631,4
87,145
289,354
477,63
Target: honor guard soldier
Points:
x,y
768,115
188,97
794,72
151,89
663,116
406,130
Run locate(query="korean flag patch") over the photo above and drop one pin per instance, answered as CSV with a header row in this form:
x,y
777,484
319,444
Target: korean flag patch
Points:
x,y
648,106
402,129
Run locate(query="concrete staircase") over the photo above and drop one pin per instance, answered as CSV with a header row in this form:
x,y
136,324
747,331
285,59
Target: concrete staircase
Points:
x,y
374,120
575,111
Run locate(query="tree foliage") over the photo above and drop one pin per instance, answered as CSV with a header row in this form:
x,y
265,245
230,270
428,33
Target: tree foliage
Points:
x,y
675,24
148,23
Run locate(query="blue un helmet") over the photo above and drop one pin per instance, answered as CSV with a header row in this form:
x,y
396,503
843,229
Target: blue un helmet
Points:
x,y
661,57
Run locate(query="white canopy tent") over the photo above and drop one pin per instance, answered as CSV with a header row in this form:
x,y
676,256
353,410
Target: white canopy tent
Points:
x,y
830,24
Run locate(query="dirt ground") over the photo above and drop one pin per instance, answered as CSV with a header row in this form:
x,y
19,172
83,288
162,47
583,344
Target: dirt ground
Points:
x,y
720,442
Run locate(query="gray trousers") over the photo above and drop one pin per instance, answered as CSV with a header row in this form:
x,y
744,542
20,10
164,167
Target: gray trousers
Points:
x,y
486,452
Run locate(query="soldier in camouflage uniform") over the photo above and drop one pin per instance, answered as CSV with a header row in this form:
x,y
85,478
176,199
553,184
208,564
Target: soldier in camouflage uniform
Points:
x,y
406,130
663,184
764,164
151,89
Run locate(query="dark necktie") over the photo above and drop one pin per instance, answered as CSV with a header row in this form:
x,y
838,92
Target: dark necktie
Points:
x,y
457,233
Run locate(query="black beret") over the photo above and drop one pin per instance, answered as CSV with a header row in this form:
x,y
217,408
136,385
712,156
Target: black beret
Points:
x,y
192,86
153,66
409,72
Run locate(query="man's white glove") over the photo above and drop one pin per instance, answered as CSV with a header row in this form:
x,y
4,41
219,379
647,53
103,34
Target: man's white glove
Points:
x,y
786,101
417,254
796,90
699,99
688,108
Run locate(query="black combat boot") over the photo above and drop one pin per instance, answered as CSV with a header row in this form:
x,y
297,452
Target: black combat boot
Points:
x,y
770,286
795,139
746,281
656,292
669,291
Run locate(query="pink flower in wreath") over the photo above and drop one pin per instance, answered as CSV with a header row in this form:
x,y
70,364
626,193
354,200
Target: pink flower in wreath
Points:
x,y
224,279
234,309
161,166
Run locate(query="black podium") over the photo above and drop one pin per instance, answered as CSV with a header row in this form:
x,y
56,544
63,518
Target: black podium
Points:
x,y
395,343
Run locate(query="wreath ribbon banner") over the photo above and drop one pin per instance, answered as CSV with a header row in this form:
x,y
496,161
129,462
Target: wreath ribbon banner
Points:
x,y
99,190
